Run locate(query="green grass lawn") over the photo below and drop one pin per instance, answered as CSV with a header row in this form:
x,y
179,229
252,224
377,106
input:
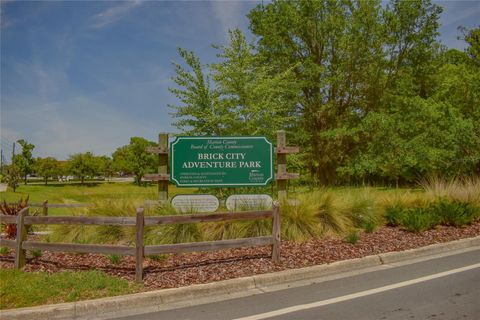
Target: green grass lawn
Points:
x,y
26,289
88,193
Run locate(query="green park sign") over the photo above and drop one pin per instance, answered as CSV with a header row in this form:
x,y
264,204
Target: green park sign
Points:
x,y
221,161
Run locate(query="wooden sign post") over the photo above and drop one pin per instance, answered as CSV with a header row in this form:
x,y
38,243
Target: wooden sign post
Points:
x,y
162,176
282,176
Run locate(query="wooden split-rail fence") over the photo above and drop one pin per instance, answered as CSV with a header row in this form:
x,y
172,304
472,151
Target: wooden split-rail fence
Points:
x,y
140,221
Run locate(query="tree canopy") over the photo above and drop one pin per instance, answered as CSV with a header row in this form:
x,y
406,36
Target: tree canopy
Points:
x,y
364,87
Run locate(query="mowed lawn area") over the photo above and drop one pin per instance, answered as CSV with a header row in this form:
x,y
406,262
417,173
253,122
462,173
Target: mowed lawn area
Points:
x,y
87,193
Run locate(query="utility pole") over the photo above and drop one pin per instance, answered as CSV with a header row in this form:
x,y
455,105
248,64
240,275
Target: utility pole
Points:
x,y
1,161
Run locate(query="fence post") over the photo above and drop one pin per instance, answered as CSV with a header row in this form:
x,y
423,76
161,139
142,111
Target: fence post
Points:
x,y
21,236
163,167
276,232
140,222
45,208
281,165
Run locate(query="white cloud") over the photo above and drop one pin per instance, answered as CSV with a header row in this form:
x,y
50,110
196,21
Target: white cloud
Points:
x,y
113,14
229,14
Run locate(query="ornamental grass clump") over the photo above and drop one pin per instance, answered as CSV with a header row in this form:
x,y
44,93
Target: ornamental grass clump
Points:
x,y
99,234
360,209
240,229
173,233
465,190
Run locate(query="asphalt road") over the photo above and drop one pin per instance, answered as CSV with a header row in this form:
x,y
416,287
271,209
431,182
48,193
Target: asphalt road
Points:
x,y
441,288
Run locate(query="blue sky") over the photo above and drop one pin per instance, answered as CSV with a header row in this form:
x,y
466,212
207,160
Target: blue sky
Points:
x,y
82,76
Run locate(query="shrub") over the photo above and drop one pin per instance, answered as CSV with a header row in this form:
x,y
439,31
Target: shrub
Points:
x,y
352,237
36,253
359,208
114,258
12,209
3,250
370,226
158,257
329,212
394,216
300,218
463,190
454,212
173,233
419,219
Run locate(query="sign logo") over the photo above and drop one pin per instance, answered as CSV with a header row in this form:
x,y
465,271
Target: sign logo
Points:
x,y
221,161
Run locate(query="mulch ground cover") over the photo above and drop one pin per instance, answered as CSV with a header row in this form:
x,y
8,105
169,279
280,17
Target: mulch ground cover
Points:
x,y
178,270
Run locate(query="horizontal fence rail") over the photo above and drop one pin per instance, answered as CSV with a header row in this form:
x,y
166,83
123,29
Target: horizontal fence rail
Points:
x,y
208,245
22,220
99,221
79,248
211,217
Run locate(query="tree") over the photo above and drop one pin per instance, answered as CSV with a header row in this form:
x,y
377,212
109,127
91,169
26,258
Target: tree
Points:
x,y
106,166
201,112
133,158
423,137
24,160
83,165
472,37
47,168
259,100
247,96
348,57
12,176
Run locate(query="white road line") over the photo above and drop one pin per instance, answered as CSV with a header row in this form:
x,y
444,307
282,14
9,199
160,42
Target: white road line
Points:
x,y
357,294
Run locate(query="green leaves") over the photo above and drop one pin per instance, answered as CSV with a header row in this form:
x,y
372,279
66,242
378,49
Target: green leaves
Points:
x,y
133,158
240,95
47,168
24,161
364,89
83,165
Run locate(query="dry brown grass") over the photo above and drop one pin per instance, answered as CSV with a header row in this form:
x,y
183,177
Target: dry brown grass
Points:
x,y
465,190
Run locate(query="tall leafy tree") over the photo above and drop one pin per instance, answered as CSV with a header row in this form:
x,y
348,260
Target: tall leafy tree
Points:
x,y
348,57
240,95
24,161
472,37
133,158
47,168
259,99
83,165
200,112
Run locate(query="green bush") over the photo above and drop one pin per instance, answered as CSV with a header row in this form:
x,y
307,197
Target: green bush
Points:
x,y
394,215
455,213
114,258
419,219
443,211
36,253
352,237
300,218
370,226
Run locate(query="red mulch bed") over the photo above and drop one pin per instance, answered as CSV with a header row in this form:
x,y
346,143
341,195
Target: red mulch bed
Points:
x,y
193,268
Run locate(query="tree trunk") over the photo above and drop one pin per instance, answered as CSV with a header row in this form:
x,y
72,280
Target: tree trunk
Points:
x,y
25,179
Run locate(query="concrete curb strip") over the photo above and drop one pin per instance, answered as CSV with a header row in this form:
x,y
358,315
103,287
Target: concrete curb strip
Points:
x,y
153,300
